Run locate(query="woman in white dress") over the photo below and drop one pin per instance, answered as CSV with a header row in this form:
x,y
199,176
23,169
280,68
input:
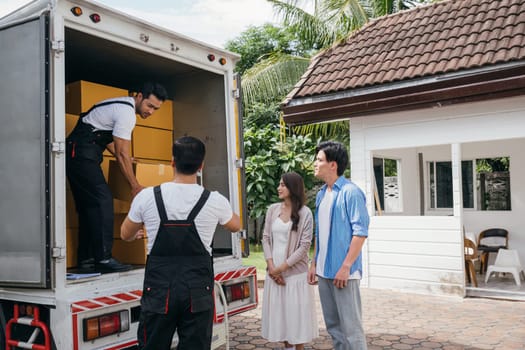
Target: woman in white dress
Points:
x,y
288,310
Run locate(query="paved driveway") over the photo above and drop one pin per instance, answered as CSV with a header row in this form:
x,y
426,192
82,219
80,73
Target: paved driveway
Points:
x,y
410,321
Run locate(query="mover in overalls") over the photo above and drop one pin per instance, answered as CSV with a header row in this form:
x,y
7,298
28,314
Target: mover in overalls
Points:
x,y
180,218
107,125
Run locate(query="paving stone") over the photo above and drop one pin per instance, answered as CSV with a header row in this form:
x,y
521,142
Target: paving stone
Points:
x,y
394,320
402,346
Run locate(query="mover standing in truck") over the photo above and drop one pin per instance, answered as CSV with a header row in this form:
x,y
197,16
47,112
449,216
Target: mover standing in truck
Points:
x,y
108,124
180,218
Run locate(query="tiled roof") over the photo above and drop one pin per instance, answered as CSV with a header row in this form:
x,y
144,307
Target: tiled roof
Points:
x,y
447,36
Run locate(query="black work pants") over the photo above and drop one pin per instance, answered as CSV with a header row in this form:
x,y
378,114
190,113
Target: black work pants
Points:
x,y
194,329
94,205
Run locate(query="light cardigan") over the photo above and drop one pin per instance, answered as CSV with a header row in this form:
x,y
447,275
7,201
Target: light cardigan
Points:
x,y
298,241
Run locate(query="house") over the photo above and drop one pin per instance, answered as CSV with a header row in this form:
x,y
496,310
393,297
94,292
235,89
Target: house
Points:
x,y
435,96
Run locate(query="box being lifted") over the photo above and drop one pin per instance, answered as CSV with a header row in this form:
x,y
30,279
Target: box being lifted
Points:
x,y
147,175
82,95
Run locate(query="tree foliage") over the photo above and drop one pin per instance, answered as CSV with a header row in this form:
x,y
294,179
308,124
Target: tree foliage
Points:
x,y
269,156
324,24
260,42
259,82
273,59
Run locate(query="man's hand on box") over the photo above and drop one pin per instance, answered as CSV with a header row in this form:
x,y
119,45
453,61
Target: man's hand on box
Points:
x,y
140,234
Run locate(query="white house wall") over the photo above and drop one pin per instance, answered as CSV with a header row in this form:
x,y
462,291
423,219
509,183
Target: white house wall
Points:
x,y
402,135
492,120
419,254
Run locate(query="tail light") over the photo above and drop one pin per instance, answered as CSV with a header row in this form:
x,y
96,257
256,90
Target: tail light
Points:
x,y
95,17
107,324
237,291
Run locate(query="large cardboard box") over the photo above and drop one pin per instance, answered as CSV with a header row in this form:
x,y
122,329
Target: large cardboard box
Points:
x,y
71,212
120,206
71,122
71,247
147,175
105,166
150,143
82,95
134,252
117,222
161,119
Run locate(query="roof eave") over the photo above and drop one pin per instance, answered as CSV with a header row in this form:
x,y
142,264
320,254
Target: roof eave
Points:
x,y
497,81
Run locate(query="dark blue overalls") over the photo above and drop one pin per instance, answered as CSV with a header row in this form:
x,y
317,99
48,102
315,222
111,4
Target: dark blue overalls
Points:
x,y
93,199
178,285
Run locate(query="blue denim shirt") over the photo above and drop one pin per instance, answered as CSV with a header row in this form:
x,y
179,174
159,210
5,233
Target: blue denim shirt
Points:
x,y
349,217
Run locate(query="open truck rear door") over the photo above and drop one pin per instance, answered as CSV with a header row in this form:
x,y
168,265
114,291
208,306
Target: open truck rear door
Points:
x,y
24,153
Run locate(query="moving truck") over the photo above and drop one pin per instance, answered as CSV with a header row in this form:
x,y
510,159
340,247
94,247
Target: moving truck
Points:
x,y
58,58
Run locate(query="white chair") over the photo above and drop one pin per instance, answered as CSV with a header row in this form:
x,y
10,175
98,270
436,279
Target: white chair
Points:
x,y
507,260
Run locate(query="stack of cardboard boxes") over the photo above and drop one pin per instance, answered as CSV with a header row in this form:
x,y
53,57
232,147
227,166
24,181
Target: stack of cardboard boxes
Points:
x,y
151,148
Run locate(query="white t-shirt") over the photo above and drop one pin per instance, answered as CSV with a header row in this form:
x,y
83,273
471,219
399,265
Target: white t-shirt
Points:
x,y
118,117
179,200
325,216
324,230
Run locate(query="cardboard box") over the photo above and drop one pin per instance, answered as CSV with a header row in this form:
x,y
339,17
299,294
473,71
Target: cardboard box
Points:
x,y
147,175
150,143
120,206
117,222
82,95
161,119
105,166
71,122
134,252
71,247
71,212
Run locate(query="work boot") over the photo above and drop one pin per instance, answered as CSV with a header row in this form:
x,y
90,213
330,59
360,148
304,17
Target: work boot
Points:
x,y
87,265
111,265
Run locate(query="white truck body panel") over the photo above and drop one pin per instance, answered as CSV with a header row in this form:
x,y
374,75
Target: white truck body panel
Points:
x,y
126,51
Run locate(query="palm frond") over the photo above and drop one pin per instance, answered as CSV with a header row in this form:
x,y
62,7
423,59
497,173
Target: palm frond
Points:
x,y
272,78
326,131
312,29
345,15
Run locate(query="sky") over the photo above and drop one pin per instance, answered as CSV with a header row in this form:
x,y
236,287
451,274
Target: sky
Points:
x,y
211,21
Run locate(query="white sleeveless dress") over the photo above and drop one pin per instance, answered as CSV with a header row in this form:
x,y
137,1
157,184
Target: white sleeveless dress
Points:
x,y
288,312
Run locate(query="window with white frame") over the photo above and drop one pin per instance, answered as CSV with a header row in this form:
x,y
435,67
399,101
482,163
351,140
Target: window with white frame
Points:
x,y
486,184
386,172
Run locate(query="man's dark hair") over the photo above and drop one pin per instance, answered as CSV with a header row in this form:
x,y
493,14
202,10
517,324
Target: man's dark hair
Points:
x,y
156,89
188,154
334,152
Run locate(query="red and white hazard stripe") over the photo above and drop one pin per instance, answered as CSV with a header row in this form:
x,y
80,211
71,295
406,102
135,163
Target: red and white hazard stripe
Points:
x,y
81,306
96,303
230,275
245,271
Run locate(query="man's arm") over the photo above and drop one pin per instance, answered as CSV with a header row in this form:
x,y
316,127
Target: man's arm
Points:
x,y
130,230
341,277
111,147
122,153
234,224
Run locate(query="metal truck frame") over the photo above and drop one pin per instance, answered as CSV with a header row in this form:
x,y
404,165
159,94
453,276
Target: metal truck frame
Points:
x,y
44,46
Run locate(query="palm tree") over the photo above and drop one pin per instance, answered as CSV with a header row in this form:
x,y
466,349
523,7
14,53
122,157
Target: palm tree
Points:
x,y
327,24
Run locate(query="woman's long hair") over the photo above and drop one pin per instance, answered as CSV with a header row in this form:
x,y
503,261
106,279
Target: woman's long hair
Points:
x,y
294,183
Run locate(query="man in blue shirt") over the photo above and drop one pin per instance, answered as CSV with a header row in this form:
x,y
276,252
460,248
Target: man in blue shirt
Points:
x,y
341,220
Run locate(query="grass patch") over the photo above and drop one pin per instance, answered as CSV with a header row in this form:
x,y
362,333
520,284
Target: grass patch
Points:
x,y
256,259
